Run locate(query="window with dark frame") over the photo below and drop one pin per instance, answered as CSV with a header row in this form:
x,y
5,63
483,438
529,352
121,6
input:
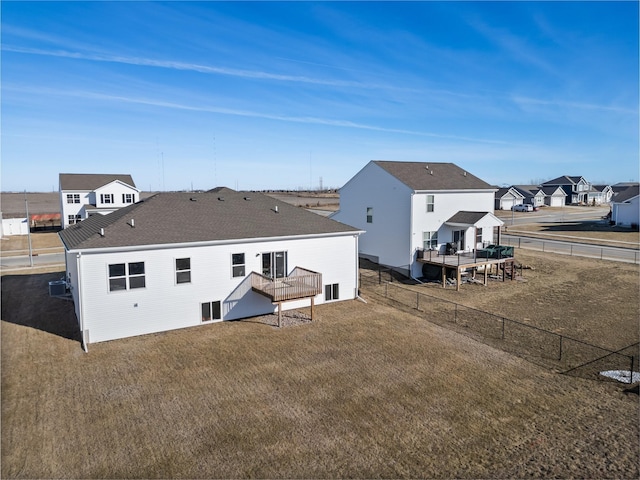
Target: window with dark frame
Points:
x,y
127,198
73,198
73,219
124,276
369,214
211,311
183,270
106,198
237,264
331,292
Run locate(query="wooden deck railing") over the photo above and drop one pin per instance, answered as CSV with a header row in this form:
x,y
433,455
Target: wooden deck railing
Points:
x,y
302,283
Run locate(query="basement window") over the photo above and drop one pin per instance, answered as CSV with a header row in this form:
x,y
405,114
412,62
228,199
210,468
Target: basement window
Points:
x,y
211,311
331,292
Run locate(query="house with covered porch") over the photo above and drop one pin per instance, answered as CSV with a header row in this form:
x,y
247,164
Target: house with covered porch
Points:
x,y
179,260
407,208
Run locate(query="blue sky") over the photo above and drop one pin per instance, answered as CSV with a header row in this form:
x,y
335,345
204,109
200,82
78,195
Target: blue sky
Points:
x,y
271,95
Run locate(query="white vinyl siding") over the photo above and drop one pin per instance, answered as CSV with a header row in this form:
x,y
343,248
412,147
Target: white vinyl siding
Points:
x,y
161,306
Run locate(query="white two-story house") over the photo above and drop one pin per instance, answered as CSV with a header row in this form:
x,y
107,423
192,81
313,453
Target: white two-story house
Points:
x,y
408,206
83,195
179,260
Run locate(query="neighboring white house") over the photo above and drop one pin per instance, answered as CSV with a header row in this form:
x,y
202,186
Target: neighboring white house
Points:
x,y
179,260
506,198
82,195
408,206
555,196
599,194
625,210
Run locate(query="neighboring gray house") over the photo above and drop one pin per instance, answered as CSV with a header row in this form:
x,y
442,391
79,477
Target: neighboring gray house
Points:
x,y
576,188
85,194
179,260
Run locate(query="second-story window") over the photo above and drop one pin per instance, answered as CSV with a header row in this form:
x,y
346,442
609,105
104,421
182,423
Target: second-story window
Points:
x,y
127,198
430,203
73,198
369,214
106,198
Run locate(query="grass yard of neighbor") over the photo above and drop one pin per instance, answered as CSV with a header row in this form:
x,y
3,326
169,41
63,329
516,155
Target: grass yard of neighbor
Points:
x,y
365,390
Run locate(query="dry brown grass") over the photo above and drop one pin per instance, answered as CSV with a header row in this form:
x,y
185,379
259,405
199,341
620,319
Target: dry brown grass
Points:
x,y
587,231
41,242
363,391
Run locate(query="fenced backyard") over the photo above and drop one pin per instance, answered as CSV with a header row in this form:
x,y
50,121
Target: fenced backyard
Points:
x,y
557,351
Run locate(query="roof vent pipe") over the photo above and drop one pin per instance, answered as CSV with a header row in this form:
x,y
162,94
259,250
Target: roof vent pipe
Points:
x,y
102,232
430,172
133,223
465,174
276,209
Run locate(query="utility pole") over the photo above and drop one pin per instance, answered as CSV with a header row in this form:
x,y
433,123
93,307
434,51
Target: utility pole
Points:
x,y
26,204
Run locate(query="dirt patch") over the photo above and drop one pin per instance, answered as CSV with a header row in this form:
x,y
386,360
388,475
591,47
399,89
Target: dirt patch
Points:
x,y
365,390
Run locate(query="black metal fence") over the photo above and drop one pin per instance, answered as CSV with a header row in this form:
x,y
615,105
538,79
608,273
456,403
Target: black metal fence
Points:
x,y
550,349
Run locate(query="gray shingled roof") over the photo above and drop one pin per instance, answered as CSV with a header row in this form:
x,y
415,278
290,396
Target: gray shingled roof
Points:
x,y
627,194
551,189
433,176
91,181
564,180
223,214
467,218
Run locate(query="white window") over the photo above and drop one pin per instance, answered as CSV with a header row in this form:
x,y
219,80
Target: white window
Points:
x,y
429,240
128,198
430,203
73,198
478,235
331,292
211,311
237,264
183,270
123,276
106,198
74,219
369,214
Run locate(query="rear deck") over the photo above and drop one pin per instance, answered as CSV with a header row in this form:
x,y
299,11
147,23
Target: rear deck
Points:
x,y
470,262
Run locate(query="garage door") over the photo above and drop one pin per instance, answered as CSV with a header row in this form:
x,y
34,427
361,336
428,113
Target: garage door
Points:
x,y
507,203
557,201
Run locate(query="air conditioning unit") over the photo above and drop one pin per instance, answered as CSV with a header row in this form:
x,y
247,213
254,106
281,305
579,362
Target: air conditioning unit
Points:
x,y
57,288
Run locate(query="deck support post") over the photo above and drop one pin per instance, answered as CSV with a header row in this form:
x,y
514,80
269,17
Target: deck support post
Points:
x,y
279,313
486,267
312,309
458,277
444,276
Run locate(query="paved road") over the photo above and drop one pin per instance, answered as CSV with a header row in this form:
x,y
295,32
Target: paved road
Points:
x,y
552,215
616,254
9,263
